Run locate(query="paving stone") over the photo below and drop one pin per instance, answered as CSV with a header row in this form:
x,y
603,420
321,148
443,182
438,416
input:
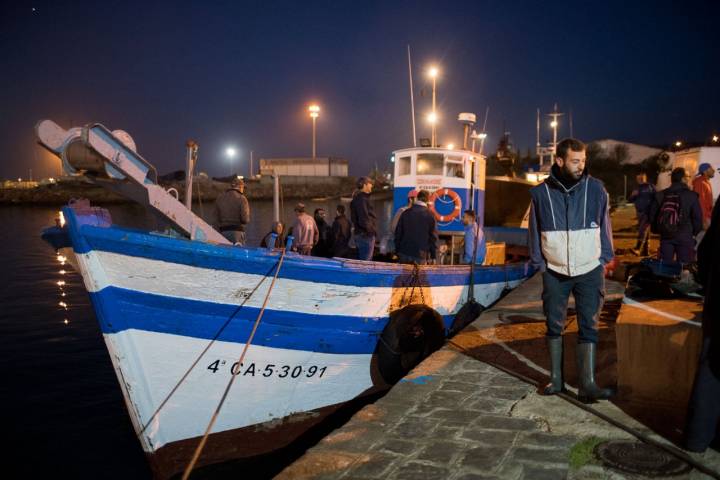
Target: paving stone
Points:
x,y
504,423
491,437
476,476
423,409
415,471
461,416
539,473
401,447
457,386
416,427
474,378
447,432
508,393
538,455
547,440
490,405
376,467
440,452
446,399
484,458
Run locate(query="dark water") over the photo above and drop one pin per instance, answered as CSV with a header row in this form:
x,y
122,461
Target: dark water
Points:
x,y
60,396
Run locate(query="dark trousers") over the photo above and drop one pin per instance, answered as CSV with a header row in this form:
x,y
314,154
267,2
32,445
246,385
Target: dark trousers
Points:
x,y
677,250
589,292
704,406
402,258
643,229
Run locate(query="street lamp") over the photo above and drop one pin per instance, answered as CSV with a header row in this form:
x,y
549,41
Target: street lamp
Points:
x,y
230,153
678,144
314,114
715,139
433,72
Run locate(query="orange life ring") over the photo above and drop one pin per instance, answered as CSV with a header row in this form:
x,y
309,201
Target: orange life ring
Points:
x,y
442,192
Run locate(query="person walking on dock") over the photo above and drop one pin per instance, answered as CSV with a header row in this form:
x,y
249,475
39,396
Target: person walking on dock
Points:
x,y
704,407
642,197
363,219
340,233
304,230
701,185
570,241
232,212
676,216
416,233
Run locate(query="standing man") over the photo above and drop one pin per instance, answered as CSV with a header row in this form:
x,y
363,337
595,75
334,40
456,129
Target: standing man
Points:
x,y
473,230
570,240
322,247
232,212
642,197
676,216
363,219
701,185
304,230
340,234
416,233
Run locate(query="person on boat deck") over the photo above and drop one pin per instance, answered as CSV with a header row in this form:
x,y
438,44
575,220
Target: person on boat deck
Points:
x,y
340,234
416,234
363,219
570,241
675,214
232,212
322,247
703,416
412,195
701,185
277,229
304,230
471,227
642,196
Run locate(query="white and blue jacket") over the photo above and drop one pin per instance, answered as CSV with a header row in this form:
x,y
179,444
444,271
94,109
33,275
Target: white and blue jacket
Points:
x,y
569,229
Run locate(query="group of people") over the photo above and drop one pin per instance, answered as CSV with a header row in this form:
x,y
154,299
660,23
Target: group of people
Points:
x,y
413,228
680,214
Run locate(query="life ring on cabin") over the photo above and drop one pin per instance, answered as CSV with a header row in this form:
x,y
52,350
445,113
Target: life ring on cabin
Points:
x,y
454,197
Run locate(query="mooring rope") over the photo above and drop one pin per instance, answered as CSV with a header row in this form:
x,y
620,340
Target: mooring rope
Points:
x,y
201,445
200,356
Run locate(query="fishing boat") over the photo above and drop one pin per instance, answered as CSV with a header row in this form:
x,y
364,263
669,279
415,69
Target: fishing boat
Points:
x,y
183,312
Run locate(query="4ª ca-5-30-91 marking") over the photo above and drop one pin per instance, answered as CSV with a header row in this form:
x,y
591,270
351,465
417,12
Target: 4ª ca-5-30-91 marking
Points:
x,y
280,371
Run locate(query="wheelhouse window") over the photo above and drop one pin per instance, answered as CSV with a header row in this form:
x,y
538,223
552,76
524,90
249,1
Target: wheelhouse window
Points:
x,y
404,166
430,163
454,167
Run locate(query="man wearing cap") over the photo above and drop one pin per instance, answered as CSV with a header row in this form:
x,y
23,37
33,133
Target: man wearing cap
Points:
x,y
232,212
363,219
305,231
701,186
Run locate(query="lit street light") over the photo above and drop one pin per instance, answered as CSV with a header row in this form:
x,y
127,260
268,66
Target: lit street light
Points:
x,y
451,146
314,114
433,72
715,139
678,143
230,153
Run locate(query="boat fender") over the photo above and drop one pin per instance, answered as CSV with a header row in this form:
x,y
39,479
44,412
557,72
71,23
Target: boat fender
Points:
x,y
454,197
412,333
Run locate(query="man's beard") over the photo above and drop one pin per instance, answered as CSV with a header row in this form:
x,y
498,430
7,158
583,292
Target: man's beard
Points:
x,y
571,175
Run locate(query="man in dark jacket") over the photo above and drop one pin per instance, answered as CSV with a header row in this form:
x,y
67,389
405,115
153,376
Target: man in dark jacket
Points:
x,y
232,212
675,214
363,219
340,234
322,247
642,196
416,233
570,241
704,406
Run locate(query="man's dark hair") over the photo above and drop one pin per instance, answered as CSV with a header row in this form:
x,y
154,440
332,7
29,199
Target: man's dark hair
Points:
x,y
318,210
677,175
568,144
423,195
341,209
470,213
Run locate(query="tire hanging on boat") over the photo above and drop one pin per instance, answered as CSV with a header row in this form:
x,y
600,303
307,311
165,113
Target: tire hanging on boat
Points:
x,y
412,334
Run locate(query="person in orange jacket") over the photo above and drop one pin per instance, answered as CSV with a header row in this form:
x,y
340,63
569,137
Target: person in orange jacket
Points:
x,y
701,186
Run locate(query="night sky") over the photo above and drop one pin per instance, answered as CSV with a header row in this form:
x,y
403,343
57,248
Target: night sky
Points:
x,y
242,74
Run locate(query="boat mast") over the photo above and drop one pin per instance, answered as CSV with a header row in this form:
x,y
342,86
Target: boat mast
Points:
x,y
412,99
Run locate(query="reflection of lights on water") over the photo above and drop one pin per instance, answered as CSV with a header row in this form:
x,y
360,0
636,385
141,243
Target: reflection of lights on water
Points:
x,y
62,294
62,259
66,321
63,272
62,219
61,283
62,304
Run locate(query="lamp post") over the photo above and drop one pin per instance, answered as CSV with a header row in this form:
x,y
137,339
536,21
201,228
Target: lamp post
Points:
x,y
433,72
230,152
314,114
554,125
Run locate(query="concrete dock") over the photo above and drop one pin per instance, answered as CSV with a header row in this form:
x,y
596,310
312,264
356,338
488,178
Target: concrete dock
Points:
x,y
457,416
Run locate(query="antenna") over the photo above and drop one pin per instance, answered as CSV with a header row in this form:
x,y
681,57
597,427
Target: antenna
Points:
x,y
412,99
571,125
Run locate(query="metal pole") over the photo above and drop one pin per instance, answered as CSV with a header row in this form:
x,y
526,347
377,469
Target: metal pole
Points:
x,y
313,135
537,139
412,99
276,197
251,163
433,139
189,167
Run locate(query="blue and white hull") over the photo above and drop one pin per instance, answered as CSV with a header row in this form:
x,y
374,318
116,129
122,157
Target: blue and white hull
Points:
x,y
161,302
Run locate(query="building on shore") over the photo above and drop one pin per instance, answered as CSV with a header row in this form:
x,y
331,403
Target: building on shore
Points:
x,y
305,166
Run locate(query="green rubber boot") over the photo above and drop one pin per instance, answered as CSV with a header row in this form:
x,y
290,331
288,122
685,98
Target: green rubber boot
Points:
x,y
556,385
588,391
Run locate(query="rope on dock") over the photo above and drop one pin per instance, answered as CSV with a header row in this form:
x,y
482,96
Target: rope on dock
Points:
x,y
201,445
205,350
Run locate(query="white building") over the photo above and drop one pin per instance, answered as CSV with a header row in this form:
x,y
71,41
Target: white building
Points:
x,y
305,166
